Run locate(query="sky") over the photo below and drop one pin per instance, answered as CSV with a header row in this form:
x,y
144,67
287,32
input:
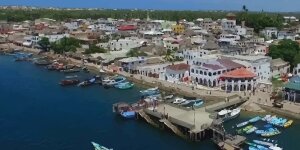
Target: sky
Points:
x,y
252,5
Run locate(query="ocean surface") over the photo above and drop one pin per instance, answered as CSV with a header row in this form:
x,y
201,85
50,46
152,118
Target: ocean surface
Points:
x,y
38,114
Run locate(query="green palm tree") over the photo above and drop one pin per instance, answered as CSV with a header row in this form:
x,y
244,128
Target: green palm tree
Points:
x,y
169,55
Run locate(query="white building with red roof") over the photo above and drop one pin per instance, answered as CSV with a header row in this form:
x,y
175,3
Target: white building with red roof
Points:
x,y
177,72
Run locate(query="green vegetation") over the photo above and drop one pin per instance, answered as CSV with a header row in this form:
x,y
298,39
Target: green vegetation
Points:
x,y
256,20
288,50
135,52
44,43
94,49
65,45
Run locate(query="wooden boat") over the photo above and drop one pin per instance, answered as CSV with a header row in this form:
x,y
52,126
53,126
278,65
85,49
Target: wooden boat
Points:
x,y
151,91
73,70
289,123
124,85
68,82
113,81
226,115
70,77
87,82
263,143
271,132
255,119
247,128
128,114
242,124
251,130
99,147
42,62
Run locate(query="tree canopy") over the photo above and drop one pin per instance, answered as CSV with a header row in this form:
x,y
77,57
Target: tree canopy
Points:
x,y
94,49
135,52
65,45
288,50
44,43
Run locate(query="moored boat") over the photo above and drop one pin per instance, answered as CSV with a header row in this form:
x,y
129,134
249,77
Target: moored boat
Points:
x,y
73,70
226,114
151,91
179,100
68,82
242,124
271,132
113,81
251,130
124,85
99,147
287,124
263,143
255,119
70,77
128,114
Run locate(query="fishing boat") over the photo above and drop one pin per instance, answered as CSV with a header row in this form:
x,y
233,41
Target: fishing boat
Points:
x,y
73,70
271,132
124,85
179,100
42,62
255,119
242,124
151,91
87,82
263,143
226,114
128,114
198,103
251,130
187,102
247,128
259,132
275,147
99,147
113,81
267,117
68,82
71,77
289,123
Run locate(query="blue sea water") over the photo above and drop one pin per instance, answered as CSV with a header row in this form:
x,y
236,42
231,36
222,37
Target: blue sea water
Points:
x,y
38,114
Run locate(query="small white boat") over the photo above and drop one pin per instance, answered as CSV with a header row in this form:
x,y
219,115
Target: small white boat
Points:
x,y
99,147
179,101
227,114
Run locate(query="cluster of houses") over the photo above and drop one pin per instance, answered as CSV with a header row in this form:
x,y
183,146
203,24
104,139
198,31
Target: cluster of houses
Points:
x,y
213,53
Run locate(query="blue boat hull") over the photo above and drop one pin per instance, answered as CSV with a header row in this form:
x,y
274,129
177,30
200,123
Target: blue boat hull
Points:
x,y
128,114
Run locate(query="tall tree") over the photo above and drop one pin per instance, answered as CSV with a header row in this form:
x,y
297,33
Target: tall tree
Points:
x,y
44,43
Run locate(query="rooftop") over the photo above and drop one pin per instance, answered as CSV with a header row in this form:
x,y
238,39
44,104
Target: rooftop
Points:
x,y
278,62
239,73
229,64
179,67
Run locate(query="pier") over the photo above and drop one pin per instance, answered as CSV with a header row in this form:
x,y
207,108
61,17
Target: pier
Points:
x,y
195,124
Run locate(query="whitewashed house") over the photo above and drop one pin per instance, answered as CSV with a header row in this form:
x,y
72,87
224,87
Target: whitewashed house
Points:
x,y
177,72
269,32
279,67
286,35
126,44
260,65
296,70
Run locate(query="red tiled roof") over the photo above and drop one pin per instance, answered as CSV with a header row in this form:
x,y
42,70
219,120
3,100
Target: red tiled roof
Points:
x,y
212,66
177,67
239,73
127,27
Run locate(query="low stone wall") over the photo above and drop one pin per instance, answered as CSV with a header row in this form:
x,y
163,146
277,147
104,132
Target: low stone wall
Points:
x,y
280,111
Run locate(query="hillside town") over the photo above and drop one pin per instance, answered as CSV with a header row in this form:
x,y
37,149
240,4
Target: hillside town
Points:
x,y
210,54
225,63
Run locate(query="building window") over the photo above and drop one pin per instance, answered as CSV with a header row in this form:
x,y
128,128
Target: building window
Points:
x,y
205,73
214,73
197,71
209,74
192,70
201,72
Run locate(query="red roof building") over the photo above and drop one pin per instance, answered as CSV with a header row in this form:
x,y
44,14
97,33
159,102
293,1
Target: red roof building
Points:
x,y
238,80
239,73
127,27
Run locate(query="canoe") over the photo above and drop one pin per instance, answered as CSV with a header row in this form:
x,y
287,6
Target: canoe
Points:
x,y
247,128
270,133
124,86
259,132
289,123
263,143
255,119
242,124
251,130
